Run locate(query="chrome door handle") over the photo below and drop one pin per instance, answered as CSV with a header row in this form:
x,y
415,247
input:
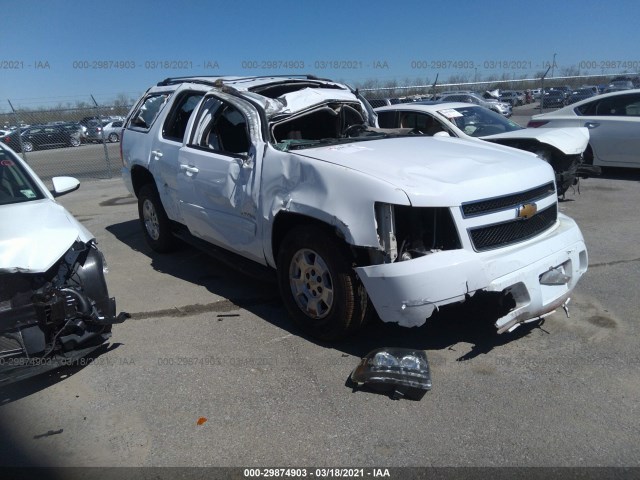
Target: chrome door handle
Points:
x,y
592,124
189,169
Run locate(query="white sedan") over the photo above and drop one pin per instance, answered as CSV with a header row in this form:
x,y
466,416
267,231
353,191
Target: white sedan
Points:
x,y
613,120
54,304
561,148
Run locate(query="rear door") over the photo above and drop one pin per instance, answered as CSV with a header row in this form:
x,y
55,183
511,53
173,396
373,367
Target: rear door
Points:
x,y
614,128
167,143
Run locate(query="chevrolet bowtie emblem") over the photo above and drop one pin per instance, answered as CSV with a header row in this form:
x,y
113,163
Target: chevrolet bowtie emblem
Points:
x,y
527,210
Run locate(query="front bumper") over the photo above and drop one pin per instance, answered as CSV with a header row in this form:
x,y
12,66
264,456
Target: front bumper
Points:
x,y
408,292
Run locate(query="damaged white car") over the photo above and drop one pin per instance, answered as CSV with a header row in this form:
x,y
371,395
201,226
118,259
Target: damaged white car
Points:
x,y
562,148
292,173
54,304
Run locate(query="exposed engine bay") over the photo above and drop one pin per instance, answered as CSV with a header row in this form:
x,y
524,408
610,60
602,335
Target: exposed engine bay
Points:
x,y
48,319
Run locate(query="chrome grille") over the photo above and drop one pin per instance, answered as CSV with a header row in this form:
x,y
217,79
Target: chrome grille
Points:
x,y
496,204
513,231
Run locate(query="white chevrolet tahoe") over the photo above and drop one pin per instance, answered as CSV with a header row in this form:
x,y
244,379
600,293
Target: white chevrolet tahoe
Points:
x,y
292,173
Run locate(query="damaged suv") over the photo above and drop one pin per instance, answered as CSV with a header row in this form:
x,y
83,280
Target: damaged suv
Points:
x,y
54,304
293,173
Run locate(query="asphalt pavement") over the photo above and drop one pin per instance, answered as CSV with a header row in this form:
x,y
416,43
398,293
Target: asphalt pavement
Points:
x,y
209,371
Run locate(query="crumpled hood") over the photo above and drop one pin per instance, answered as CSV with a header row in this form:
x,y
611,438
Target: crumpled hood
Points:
x,y
570,141
440,171
34,235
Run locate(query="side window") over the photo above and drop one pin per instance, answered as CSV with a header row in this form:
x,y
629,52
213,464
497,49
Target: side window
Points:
x,y
622,105
221,128
148,111
587,109
633,108
423,122
176,123
412,120
387,119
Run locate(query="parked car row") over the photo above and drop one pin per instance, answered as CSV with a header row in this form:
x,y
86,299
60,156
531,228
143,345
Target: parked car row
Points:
x,y
44,136
485,100
58,135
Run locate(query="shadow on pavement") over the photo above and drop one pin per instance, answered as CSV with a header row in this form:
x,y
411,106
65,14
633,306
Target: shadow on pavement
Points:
x,y
470,322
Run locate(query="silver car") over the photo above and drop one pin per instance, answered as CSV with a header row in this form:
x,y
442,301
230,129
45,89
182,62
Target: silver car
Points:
x,y
104,130
613,120
112,131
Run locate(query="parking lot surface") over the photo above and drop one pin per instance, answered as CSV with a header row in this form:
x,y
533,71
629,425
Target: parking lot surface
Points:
x,y
209,371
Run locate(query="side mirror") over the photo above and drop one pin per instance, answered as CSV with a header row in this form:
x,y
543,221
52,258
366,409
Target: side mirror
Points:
x,y
64,185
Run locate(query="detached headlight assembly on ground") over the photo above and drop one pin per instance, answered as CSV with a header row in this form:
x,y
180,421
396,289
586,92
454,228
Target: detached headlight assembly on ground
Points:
x,y
402,372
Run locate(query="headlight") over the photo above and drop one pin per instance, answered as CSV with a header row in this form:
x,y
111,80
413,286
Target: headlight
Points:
x,y
401,372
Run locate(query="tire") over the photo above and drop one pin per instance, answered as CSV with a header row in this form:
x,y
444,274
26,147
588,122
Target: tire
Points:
x,y
74,142
156,226
113,137
27,146
588,155
319,287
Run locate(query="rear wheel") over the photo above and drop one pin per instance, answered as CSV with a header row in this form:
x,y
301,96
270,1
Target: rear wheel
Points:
x,y
113,137
153,218
318,285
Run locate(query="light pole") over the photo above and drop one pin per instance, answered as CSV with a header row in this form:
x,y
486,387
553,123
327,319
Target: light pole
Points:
x,y
475,76
553,64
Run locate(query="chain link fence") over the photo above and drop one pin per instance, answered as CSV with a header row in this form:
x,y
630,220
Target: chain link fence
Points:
x,y
534,91
80,141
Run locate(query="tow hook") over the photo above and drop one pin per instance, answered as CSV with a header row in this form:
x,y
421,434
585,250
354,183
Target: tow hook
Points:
x,y
565,307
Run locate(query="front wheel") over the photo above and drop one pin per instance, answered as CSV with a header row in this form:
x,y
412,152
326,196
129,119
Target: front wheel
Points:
x,y
27,146
318,285
153,218
75,142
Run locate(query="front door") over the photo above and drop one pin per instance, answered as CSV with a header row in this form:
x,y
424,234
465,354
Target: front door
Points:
x,y
217,179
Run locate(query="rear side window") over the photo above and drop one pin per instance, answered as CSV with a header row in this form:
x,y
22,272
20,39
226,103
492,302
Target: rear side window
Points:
x,y
148,111
176,123
387,119
622,105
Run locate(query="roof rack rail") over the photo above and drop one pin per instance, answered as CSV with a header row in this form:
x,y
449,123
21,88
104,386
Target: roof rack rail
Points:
x,y
212,79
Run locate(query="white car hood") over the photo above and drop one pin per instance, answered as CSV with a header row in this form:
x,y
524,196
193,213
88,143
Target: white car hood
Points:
x,y
440,171
570,141
36,234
